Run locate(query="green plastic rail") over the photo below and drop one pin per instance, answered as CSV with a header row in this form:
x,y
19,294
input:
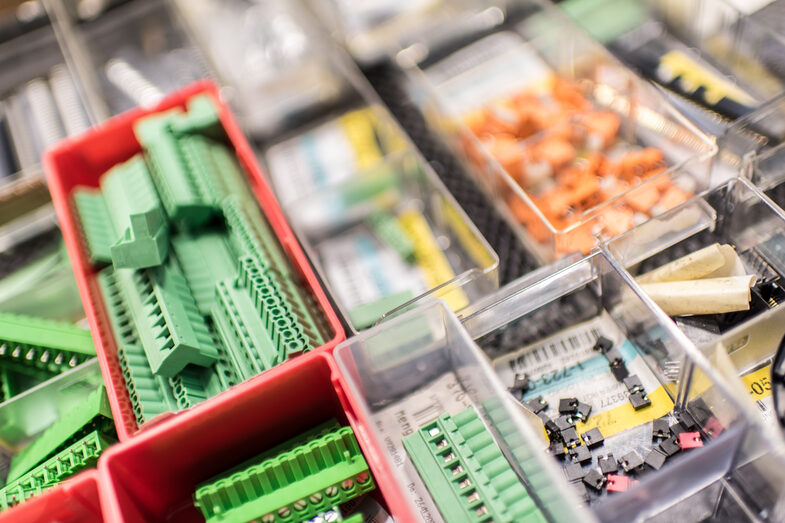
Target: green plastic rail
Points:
x,y
39,347
466,472
292,485
125,218
79,456
91,414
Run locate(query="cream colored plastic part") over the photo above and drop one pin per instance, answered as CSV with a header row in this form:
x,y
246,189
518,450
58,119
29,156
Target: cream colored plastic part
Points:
x,y
708,296
714,261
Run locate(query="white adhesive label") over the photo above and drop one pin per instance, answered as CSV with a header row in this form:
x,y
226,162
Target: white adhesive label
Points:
x,y
360,269
443,395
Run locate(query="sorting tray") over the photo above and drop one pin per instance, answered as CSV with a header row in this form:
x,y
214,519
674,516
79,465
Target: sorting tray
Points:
x,y
83,160
524,58
76,500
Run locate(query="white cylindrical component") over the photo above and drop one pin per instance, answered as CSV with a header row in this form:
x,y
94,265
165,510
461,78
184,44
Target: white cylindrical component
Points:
x,y
690,267
732,266
709,296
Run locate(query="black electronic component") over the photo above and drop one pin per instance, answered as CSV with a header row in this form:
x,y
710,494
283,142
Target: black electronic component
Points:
x,y
619,370
573,471
594,479
660,428
631,461
655,459
608,464
593,438
669,446
676,429
521,384
550,427
633,384
564,422
603,344
580,455
568,405
556,449
536,405
639,400
584,411
570,438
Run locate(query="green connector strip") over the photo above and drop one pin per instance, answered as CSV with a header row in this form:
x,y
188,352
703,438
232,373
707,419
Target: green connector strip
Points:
x,y
291,486
92,413
41,346
387,229
188,387
140,224
250,235
150,394
184,193
6,388
254,322
205,260
97,229
171,330
79,456
466,472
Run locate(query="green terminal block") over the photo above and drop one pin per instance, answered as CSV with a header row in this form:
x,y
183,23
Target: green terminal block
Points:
x,y
205,259
387,229
250,235
150,394
466,472
291,483
125,218
254,321
42,347
192,167
81,455
171,330
91,414
366,314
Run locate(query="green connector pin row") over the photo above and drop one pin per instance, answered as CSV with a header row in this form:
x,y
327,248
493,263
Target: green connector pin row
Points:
x,y
81,455
92,413
293,485
466,472
125,218
42,347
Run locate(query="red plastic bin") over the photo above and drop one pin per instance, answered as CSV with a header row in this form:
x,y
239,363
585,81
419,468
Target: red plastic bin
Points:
x,y
153,476
81,161
76,499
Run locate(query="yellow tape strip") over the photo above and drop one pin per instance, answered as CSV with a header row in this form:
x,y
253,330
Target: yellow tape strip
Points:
x,y
758,383
466,237
430,258
623,417
359,127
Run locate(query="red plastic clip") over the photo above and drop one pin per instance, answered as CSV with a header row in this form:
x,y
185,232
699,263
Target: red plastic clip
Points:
x,y
690,440
713,427
619,483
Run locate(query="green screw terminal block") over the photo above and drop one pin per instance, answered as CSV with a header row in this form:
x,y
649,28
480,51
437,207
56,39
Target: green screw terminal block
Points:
x,y
292,485
206,260
466,472
91,414
185,195
250,235
254,322
150,394
97,229
188,387
42,347
386,227
124,218
171,330
81,455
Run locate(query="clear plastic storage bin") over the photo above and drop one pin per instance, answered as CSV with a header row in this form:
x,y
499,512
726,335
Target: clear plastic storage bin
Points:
x,y
728,467
567,140
406,373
